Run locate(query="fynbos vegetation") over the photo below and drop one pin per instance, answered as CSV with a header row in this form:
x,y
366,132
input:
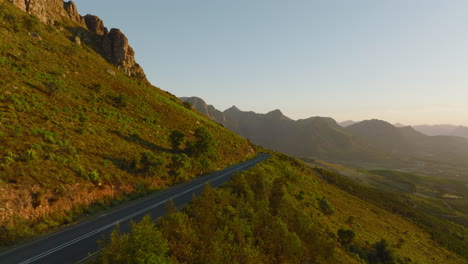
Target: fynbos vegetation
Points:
x,y
274,213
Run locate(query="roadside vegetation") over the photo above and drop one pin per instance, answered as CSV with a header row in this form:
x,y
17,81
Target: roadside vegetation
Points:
x,y
280,211
78,135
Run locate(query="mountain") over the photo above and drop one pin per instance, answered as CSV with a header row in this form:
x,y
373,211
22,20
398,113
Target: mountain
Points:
x,y
81,127
385,136
347,123
407,142
443,130
460,131
368,144
319,137
204,108
435,130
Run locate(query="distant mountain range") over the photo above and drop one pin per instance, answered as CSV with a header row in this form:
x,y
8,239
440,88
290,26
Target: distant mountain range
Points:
x,y
323,138
429,130
443,130
320,137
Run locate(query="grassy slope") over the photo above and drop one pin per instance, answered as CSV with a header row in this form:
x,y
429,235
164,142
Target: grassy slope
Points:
x,y
285,191
72,135
422,192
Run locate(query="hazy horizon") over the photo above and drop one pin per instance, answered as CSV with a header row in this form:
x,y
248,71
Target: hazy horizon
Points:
x,y
399,61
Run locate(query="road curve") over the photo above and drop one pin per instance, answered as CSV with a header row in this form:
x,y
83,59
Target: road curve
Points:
x,y
73,244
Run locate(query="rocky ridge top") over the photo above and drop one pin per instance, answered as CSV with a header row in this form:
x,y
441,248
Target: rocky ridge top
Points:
x,y
114,43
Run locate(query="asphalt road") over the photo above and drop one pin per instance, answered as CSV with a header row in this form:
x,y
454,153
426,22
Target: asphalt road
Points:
x,y
75,243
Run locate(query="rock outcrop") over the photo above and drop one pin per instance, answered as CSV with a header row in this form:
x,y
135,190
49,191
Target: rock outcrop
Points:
x,y
49,11
95,24
113,44
121,53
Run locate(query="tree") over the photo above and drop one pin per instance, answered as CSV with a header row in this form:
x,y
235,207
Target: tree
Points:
x,y
180,164
345,236
143,245
177,139
326,207
204,144
155,166
384,252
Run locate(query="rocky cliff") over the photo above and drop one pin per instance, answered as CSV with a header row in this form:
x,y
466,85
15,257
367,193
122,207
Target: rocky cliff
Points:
x,y
49,11
113,44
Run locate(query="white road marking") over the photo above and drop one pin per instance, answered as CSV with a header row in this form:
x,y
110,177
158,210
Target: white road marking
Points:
x,y
73,241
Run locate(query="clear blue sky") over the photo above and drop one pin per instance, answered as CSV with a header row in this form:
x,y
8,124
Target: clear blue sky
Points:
x,y
398,60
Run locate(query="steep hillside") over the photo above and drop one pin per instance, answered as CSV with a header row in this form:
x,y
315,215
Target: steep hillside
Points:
x,y
282,211
80,129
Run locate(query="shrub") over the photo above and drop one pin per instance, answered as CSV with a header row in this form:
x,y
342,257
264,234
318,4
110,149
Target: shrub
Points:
x,y
180,164
119,101
204,144
187,105
9,159
326,207
154,166
177,138
30,155
384,253
94,177
53,87
345,236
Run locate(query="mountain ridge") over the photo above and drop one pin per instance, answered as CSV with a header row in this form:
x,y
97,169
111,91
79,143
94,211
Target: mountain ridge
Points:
x,y
374,141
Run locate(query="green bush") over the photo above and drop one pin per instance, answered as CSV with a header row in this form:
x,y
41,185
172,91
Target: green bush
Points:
x,y
154,166
176,138
345,236
143,245
30,155
94,177
180,163
204,145
326,207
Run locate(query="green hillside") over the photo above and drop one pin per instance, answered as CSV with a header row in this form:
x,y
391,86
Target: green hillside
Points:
x,y
281,211
76,133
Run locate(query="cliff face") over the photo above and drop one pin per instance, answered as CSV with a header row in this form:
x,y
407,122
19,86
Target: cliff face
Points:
x,y
114,44
49,11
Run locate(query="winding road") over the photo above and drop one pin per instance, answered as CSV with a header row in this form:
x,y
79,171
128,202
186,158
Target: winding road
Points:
x,y
74,244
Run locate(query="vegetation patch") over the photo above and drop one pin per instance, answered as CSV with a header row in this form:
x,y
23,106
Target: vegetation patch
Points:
x,y
271,214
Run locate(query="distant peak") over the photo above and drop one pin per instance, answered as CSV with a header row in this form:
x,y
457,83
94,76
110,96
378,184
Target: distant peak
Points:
x,y
276,112
347,123
233,109
373,123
